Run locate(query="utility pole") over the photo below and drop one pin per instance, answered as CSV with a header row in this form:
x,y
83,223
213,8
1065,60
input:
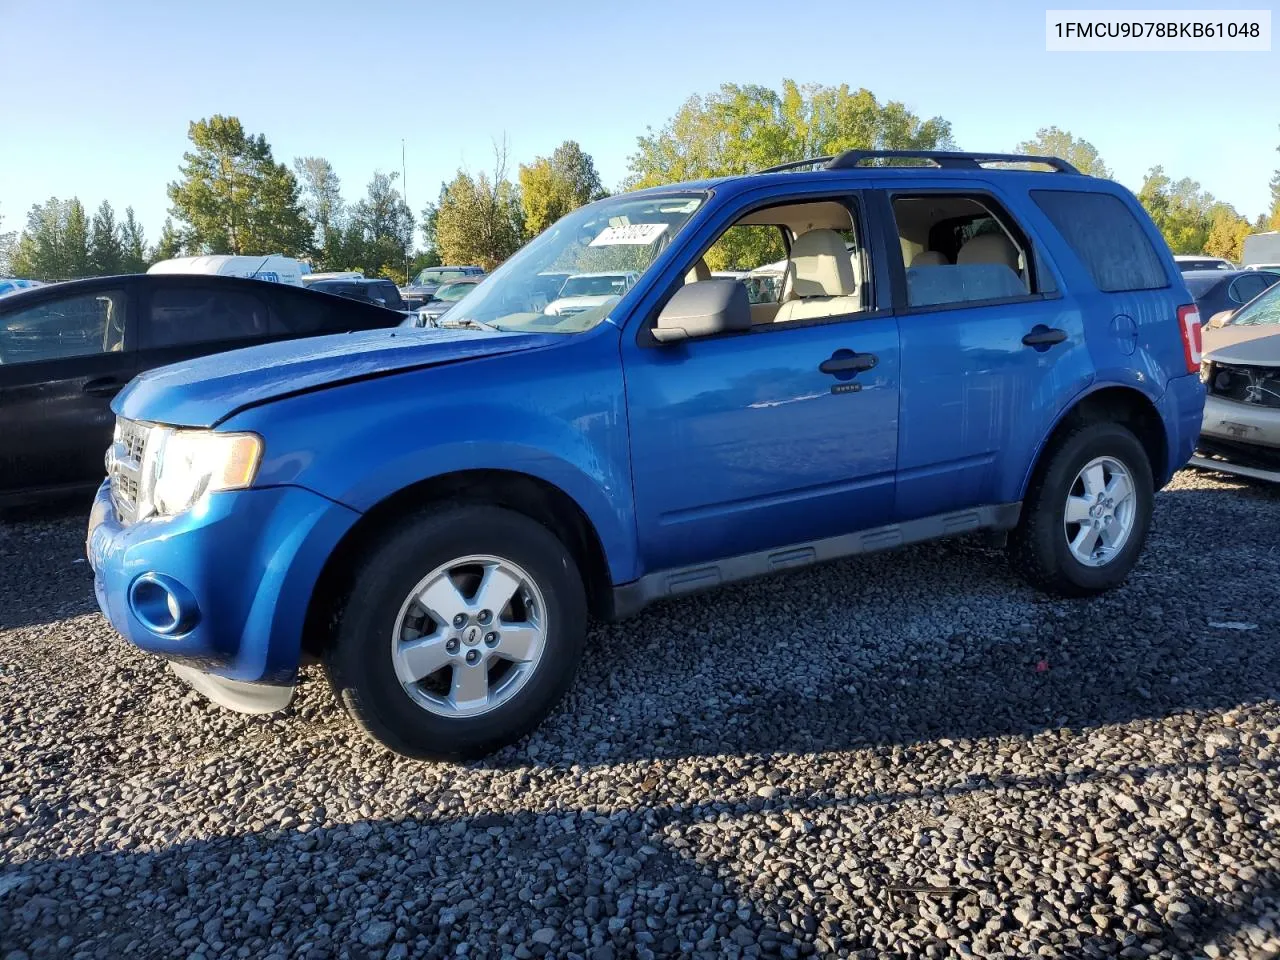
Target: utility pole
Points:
x,y
404,185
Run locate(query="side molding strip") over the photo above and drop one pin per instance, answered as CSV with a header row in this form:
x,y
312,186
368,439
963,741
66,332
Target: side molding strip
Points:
x,y
631,598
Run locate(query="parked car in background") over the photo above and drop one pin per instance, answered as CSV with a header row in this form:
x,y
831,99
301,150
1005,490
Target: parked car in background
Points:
x,y
436,513
309,278
446,295
1274,267
14,284
66,349
589,291
274,267
1218,290
1187,263
384,293
1241,374
415,294
1261,248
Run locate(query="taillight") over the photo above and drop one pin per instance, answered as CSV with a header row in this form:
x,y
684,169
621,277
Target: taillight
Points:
x,y
1192,342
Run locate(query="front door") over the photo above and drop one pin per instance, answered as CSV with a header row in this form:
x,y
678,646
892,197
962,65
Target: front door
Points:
x,y
63,356
781,435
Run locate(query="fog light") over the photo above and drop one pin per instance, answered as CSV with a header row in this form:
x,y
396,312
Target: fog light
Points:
x,y
163,605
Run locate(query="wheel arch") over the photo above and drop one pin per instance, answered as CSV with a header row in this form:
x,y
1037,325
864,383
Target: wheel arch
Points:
x,y
1109,403
522,493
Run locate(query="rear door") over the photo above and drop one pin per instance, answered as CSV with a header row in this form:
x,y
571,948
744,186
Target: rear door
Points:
x,y
991,347
63,355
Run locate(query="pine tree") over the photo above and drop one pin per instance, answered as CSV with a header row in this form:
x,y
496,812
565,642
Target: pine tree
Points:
x,y
106,248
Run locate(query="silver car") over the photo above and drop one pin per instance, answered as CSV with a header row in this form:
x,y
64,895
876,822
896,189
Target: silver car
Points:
x,y
1241,374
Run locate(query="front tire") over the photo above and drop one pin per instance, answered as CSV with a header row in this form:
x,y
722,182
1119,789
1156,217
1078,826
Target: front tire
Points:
x,y
461,631
1086,516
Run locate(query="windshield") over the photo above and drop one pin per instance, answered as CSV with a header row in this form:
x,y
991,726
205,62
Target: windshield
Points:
x,y
594,286
616,237
1264,310
453,291
434,275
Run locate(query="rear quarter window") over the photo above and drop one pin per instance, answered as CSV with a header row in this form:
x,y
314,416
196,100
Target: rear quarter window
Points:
x,y
1107,238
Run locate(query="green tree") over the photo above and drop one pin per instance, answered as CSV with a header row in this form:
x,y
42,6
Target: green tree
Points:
x,y
1081,154
55,244
8,242
740,129
386,227
106,246
133,254
478,219
1273,219
321,196
1179,210
1227,230
171,243
76,240
552,186
233,197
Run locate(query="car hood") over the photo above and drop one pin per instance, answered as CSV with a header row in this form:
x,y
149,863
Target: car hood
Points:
x,y
205,391
1257,346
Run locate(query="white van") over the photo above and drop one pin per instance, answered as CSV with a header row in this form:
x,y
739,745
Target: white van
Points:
x,y
273,267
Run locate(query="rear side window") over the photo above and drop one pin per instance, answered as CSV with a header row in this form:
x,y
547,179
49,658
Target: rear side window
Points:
x,y
193,314
1107,238
1245,288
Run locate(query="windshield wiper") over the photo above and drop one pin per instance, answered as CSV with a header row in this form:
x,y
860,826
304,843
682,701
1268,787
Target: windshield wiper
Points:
x,y
465,322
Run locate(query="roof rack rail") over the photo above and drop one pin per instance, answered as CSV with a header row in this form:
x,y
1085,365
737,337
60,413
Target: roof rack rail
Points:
x,y
797,164
947,159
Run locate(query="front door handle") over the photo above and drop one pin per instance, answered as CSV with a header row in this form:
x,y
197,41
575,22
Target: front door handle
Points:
x,y
846,361
1042,336
103,387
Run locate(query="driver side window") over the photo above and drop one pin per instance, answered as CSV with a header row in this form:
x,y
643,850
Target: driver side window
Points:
x,y
798,261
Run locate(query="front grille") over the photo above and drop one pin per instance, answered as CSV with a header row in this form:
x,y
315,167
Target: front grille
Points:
x,y
125,468
1244,384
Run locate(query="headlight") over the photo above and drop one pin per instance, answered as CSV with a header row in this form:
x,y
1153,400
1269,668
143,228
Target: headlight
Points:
x,y
184,465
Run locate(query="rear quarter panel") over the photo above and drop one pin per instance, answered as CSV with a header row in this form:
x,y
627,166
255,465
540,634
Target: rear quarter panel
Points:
x,y
556,413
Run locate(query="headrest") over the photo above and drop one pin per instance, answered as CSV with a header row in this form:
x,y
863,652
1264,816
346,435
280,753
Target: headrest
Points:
x,y
822,265
700,271
989,248
929,258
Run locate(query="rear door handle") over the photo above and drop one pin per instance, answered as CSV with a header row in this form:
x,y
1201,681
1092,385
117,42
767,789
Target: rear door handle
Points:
x,y
103,387
1042,336
846,361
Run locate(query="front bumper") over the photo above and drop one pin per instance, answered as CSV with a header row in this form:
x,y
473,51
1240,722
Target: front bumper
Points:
x,y
241,567
1241,423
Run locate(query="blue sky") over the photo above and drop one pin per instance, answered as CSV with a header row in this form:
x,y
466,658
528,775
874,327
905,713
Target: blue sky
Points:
x,y
98,95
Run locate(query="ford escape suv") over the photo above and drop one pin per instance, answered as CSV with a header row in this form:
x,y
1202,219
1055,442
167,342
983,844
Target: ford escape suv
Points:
x,y
434,514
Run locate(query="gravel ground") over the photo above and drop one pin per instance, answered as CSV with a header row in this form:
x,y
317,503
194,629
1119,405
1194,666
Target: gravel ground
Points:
x,y
904,755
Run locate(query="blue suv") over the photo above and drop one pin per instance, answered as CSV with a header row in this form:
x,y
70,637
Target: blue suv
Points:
x,y
954,343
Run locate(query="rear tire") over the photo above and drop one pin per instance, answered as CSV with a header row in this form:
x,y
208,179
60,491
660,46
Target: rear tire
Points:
x,y
419,604
1084,474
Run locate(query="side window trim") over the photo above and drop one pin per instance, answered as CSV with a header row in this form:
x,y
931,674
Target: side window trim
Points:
x,y
1036,262
854,197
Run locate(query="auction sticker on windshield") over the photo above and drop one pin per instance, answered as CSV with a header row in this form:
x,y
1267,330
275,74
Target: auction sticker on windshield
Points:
x,y
637,234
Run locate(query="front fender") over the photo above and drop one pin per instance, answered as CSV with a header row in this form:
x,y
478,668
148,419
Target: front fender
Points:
x,y
557,415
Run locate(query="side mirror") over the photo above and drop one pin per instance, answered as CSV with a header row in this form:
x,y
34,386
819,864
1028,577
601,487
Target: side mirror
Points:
x,y
700,309
1221,318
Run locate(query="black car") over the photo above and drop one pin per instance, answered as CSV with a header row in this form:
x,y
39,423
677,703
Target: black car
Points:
x,y
1218,290
67,348
384,293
